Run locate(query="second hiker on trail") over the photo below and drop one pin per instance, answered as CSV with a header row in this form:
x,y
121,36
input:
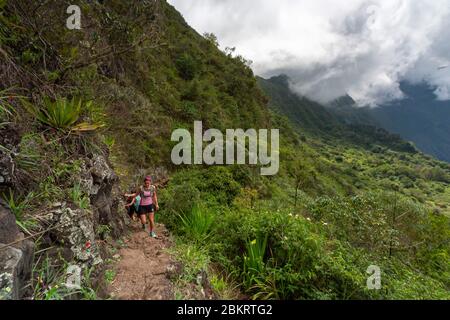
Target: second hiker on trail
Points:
x,y
148,203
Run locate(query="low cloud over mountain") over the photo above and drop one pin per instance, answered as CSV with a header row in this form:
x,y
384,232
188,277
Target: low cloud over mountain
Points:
x,y
329,48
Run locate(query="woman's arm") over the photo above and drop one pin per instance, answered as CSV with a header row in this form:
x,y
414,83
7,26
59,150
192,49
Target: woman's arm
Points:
x,y
129,195
155,200
131,203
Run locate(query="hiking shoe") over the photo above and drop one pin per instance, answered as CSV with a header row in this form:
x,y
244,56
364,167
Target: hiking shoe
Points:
x,y
143,226
152,234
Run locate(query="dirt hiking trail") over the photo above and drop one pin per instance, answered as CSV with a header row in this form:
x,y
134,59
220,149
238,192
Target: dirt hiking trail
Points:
x,y
141,270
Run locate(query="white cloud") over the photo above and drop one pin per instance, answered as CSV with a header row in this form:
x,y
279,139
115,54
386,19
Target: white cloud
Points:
x,y
329,47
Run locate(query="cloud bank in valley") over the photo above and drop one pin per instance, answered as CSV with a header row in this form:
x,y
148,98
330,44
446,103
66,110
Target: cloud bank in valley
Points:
x,y
329,48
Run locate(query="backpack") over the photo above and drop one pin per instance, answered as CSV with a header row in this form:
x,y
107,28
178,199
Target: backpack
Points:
x,y
152,191
137,202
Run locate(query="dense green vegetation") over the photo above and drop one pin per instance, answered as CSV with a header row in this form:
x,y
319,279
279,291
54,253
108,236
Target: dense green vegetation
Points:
x,y
346,197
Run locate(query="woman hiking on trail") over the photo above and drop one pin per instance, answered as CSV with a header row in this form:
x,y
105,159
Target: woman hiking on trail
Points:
x,y
132,207
148,204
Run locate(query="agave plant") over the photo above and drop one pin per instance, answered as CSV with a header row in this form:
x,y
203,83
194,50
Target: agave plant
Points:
x,y
62,114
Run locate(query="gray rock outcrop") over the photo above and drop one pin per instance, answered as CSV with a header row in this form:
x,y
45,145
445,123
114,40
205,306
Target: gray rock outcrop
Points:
x,y
16,260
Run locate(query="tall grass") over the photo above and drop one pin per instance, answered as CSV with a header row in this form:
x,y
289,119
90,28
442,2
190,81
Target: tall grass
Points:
x,y
197,224
29,156
6,107
254,260
79,197
194,257
19,207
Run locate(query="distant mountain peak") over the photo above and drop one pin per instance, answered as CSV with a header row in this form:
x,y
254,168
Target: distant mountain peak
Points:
x,y
281,79
345,100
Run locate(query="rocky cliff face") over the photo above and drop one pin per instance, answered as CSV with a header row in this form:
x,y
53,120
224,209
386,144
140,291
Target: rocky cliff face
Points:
x,y
78,228
101,182
9,140
75,231
15,260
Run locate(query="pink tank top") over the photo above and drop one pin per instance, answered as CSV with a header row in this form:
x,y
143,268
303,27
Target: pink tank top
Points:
x,y
147,197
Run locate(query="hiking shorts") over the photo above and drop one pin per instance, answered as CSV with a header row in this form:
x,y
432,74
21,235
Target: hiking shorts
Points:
x,y
131,210
146,209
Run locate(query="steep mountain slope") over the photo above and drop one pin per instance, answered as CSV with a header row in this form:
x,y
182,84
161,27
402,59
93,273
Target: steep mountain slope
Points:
x,y
339,122
344,109
345,197
419,118
308,115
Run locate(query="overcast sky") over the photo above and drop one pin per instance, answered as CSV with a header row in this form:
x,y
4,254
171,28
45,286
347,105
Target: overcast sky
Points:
x,y
332,47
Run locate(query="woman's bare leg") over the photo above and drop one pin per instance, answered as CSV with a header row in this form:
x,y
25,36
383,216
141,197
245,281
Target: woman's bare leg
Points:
x,y
151,216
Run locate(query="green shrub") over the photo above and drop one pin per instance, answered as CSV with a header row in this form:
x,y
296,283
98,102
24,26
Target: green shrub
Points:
x,y
179,198
189,111
109,276
187,66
